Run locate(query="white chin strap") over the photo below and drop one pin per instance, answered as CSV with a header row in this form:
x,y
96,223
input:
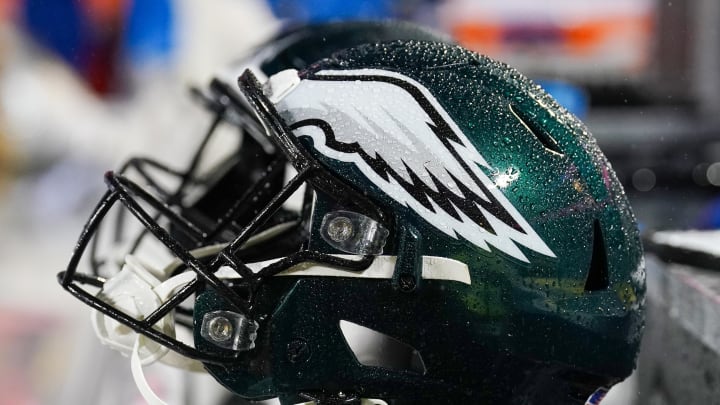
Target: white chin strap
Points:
x,y
137,292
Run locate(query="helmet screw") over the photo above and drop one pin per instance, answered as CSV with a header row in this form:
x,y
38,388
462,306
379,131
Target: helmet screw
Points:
x,y
298,351
220,329
406,282
340,229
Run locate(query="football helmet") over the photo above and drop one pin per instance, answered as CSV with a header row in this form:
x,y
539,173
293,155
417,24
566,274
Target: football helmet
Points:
x,y
452,214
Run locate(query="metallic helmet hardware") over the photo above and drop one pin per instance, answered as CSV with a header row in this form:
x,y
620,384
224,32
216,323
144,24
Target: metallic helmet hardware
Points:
x,y
340,229
229,330
353,232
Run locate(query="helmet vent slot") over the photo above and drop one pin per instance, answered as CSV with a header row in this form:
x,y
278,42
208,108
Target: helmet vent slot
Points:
x,y
373,348
540,133
597,278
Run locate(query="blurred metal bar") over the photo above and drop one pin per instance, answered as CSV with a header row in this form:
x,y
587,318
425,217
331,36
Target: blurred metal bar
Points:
x,y
680,355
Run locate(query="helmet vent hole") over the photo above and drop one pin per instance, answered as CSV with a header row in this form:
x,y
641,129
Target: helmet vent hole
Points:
x,y
597,278
540,133
372,348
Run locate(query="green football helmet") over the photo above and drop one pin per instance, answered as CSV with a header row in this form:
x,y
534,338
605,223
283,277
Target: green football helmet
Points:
x,y
459,237
500,260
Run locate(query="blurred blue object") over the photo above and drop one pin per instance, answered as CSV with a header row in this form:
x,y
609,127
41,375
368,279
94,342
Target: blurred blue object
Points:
x,y
100,38
572,97
57,25
149,32
326,10
709,217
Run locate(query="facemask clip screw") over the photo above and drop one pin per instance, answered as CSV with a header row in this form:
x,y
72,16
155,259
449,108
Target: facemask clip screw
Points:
x,y
229,330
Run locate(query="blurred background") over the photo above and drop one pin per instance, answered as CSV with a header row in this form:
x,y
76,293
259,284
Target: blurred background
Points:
x,y
84,84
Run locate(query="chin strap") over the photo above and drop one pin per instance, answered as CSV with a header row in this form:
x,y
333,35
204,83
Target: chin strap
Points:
x,y
136,367
137,291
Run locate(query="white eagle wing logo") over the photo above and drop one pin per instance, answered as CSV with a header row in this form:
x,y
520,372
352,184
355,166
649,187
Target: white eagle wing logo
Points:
x,y
399,136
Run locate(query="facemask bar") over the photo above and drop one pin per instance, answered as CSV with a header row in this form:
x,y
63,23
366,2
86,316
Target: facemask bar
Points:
x,y
225,105
121,189
279,132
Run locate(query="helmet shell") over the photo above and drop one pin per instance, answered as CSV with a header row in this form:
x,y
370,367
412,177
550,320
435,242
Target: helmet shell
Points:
x,y
566,310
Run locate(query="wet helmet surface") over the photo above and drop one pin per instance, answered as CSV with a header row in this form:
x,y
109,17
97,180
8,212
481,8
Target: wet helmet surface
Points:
x,y
458,236
466,160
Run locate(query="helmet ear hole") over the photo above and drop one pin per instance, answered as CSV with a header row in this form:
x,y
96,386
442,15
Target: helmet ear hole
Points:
x,y
373,348
597,278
